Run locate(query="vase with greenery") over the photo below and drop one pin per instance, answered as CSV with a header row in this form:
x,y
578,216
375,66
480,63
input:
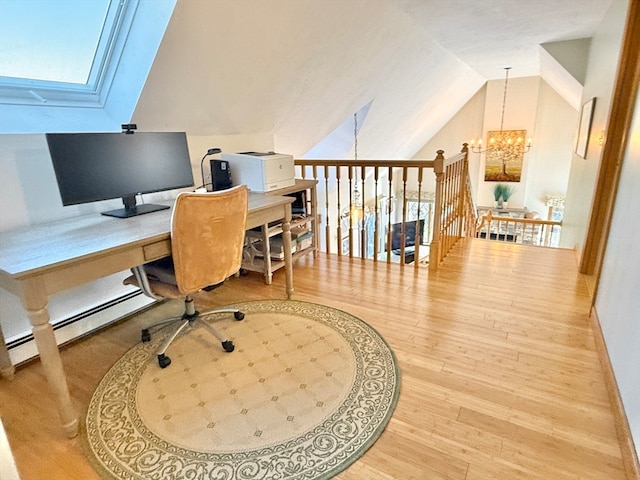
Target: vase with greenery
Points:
x,y
501,195
507,191
497,195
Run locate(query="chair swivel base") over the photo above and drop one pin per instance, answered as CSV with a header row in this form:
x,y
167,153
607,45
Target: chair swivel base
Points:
x,y
163,360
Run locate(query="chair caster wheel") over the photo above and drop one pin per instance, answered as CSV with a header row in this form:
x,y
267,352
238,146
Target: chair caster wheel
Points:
x,y
228,346
238,315
146,336
163,360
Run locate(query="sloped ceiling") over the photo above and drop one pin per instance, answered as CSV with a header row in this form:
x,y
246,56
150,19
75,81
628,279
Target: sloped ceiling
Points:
x,y
296,69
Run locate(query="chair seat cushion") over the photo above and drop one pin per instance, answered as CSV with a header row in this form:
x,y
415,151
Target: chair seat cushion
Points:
x,y
162,280
158,288
161,270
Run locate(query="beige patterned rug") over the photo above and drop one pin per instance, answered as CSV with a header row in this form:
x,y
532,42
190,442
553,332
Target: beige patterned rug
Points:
x,y
306,392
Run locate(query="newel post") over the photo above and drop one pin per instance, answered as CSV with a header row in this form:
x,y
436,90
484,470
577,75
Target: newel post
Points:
x,y
465,195
434,249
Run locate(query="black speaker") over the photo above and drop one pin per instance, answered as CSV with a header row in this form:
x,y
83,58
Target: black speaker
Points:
x,y
220,175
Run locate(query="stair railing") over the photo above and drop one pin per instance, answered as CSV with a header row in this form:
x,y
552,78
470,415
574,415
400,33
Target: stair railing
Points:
x,y
455,215
367,208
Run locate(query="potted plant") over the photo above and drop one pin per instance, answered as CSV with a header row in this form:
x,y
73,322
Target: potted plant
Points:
x,y
507,191
497,195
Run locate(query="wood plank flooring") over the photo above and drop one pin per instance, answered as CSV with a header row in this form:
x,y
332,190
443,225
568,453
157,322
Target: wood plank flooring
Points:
x,y
500,376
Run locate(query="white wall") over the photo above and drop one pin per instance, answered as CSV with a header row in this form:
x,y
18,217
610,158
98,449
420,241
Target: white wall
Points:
x,y
296,73
601,71
532,105
617,304
549,162
460,129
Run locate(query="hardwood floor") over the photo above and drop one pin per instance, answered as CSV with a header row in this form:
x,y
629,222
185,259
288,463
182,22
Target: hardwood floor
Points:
x,y
500,376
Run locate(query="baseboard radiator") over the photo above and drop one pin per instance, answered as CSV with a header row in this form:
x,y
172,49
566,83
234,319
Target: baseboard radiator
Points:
x,y
23,348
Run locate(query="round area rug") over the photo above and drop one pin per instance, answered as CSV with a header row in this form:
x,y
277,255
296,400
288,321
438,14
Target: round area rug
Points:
x,y
306,392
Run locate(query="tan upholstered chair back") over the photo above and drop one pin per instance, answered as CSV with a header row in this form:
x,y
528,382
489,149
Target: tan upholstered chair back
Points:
x,y
207,236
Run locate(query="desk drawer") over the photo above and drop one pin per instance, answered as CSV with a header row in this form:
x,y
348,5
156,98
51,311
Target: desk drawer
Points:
x,y
157,250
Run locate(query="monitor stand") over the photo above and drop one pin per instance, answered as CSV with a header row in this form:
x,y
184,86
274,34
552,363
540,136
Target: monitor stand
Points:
x,y
131,209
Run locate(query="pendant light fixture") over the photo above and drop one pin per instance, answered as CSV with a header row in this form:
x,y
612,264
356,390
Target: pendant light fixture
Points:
x,y
504,144
356,211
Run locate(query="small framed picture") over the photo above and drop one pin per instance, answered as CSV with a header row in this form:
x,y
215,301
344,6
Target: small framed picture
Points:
x,y
584,127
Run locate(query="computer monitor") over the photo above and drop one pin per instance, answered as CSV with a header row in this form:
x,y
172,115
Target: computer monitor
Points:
x,y
410,234
90,167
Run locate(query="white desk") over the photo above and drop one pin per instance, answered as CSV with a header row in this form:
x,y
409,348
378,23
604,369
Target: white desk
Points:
x,y
40,260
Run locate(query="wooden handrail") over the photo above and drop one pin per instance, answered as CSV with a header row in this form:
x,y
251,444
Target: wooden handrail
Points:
x,y
533,221
455,215
542,238
390,192
365,163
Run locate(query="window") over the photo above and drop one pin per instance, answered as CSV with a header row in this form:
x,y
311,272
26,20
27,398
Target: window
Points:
x,y
61,53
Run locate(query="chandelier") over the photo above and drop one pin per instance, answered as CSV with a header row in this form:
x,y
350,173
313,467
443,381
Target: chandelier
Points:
x,y
356,211
505,145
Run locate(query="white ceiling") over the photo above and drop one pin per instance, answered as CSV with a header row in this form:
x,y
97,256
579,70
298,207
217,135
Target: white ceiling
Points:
x,y
489,35
296,70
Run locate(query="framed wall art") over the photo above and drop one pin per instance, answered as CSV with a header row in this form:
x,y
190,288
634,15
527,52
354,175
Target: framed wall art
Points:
x,y
505,153
584,127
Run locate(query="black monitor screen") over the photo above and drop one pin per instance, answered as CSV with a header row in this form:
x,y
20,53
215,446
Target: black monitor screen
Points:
x,y
409,231
91,167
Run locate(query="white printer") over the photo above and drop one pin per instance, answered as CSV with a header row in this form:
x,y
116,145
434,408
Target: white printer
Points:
x,y
261,172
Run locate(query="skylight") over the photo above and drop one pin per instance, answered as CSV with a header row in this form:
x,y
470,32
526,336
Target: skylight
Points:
x,y
61,52
54,41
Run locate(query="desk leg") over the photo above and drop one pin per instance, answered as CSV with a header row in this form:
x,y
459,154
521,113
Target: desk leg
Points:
x,y
35,303
266,255
316,225
288,258
7,369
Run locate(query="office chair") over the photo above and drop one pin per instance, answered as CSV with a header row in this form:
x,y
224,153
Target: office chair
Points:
x,y
207,237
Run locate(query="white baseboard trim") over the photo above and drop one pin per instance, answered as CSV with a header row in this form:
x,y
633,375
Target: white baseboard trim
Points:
x,y
24,348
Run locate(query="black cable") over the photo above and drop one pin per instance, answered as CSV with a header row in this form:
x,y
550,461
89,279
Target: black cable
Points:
x,y
211,151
